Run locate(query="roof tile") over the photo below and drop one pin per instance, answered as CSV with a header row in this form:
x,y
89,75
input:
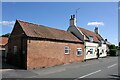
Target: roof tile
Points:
x,y
87,33
35,30
3,40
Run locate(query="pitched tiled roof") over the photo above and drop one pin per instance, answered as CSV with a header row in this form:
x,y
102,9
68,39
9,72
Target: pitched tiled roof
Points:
x,y
3,40
87,33
40,31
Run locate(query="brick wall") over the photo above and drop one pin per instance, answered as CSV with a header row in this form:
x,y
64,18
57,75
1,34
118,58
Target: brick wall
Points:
x,y
48,53
39,53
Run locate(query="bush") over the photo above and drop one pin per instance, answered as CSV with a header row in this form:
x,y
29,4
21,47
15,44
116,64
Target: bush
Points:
x,y
113,50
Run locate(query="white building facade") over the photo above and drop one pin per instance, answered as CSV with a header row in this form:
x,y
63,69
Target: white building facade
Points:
x,y
91,50
93,42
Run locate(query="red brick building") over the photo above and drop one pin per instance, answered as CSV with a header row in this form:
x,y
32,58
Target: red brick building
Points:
x,y
3,42
37,46
3,47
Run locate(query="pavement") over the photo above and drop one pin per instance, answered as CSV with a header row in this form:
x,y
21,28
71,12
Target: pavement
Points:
x,y
96,68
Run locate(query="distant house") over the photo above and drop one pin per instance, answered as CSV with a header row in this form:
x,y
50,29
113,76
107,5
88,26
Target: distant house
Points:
x,y
3,47
37,46
93,42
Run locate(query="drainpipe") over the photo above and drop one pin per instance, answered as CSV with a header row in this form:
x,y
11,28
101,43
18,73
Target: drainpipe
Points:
x,y
84,51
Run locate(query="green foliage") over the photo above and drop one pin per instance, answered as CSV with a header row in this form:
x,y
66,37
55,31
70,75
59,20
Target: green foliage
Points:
x,y
113,50
112,47
6,35
117,47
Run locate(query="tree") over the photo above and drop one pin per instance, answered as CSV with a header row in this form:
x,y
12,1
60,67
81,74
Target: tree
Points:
x,y
112,46
6,35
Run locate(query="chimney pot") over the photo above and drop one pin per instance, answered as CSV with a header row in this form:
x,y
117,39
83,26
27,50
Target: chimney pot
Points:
x,y
105,39
73,16
96,30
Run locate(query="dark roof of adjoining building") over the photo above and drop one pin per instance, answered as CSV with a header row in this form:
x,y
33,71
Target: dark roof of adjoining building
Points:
x,y
40,31
3,41
87,33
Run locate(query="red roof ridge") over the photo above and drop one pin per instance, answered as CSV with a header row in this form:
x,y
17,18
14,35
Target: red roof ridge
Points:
x,y
38,24
96,37
87,30
41,31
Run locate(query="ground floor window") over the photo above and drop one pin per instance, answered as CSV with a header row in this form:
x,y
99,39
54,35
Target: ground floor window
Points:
x,y
67,50
102,50
15,49
91,51
79,51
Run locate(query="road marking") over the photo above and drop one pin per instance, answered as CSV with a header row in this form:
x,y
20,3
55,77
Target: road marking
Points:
x,y
112,66
88,74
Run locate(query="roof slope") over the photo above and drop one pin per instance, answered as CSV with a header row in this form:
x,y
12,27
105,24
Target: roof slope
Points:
x,y
40,31
87,33
3,40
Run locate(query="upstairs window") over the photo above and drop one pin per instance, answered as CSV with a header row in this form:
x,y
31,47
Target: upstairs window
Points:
x,y
91,38
102,41
67,50
79,51
100,44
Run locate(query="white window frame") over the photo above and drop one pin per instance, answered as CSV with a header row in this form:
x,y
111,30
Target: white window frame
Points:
x,y
103,51
79,49
91,50
102,41
67,49
91,38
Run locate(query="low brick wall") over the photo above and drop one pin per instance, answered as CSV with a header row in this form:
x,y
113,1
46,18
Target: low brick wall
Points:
x,y
42,54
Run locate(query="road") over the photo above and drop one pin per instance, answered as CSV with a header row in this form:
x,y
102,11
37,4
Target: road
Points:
x,y
96,68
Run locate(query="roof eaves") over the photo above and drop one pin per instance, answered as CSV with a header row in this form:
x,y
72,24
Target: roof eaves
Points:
x,y
57,39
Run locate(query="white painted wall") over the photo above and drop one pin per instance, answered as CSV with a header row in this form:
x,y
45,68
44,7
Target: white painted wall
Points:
x,y
89,46
94,46
104,48
73,22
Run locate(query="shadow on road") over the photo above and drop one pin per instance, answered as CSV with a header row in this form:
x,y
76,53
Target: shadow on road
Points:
x,y
4,65
115,77
8,66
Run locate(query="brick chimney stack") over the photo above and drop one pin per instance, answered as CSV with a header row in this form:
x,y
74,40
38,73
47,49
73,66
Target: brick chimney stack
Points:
x,y
73,21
